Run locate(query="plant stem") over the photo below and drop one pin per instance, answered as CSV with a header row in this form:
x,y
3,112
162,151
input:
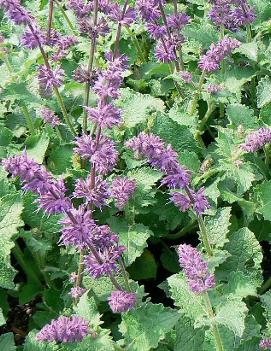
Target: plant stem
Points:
x,y
197,94
267,156
65,16
18,253
203,231
215,331
56,91
64,111
28,118
90,65
204,236
117,40
125,274
206,117
50,18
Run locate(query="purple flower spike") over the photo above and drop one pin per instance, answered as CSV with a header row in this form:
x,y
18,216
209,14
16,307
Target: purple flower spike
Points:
x,y
77,292
180,178
104,156
96,195
165,52
186,76
265,344
55,201
121,301
210,62
196,269
201,203
257,139
50,78
182,202
106,263
64,329
32,40
106,116
213,88
20,15
49,117
121,190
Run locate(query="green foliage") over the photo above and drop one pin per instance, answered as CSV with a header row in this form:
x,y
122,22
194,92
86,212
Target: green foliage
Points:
x,y
10,220
217,226
145,326
7,342
264,92
137,108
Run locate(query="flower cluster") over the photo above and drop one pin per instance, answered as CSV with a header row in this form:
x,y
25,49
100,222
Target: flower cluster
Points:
x,y
265,344
210,62
35,178
77,292
168,34
165,159
231,14
122,189
196,269
49,117
64,329
257,139
121,301
49,78
213,88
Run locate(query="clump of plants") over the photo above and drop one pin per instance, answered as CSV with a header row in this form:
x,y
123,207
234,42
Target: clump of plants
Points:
x,y
135,175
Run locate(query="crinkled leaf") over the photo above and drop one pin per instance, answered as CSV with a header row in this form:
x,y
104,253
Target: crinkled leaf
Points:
x,y
10,220
36,146
144,327
102,341
217,226
87,309
188,338
239,114
263,194
136,107
232,314
264,92
133,237
190,305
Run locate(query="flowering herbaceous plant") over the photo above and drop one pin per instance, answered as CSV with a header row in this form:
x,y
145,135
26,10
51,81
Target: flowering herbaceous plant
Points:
x,y
135,175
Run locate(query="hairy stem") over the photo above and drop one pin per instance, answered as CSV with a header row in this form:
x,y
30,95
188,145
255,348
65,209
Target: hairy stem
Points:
x,y
65,16
211,315
90,64
56,91
50,18
117,40
195,99
203,231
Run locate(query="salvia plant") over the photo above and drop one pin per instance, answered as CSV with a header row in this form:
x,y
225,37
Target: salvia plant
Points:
x,y
135,197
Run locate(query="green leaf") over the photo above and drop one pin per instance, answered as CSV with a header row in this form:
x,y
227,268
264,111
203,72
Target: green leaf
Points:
x,y
232,314
179,136
37,219
235,78
218,226
144,327
263,195
36,146
10,220
250,50
2,319
7,342
239,114
133,237
190,304
240,285
264,92
146,179
102,341
246,256
188,338
60,159
31,344
87,309
5,136
136,107
204,33
144,267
